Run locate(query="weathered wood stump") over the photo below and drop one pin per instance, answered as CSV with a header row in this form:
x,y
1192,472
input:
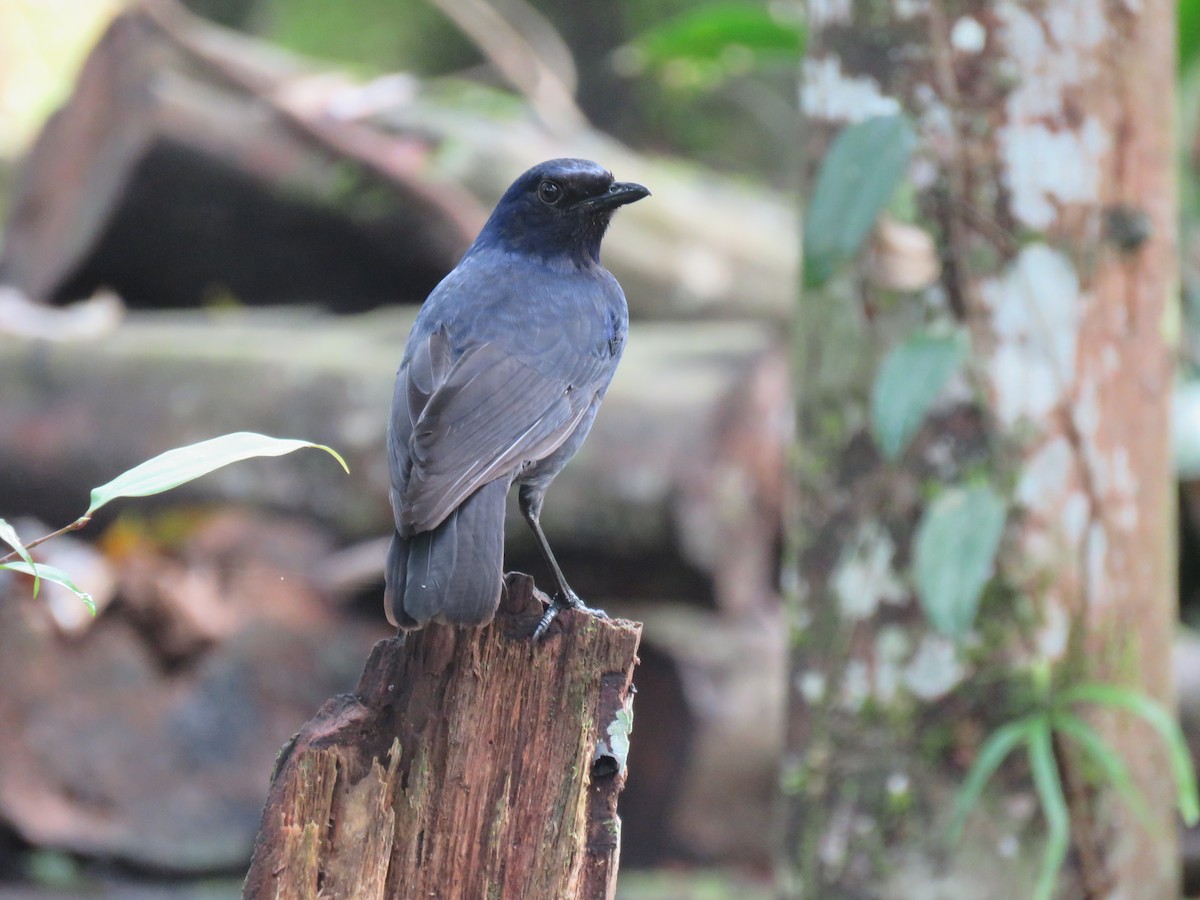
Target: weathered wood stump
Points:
x,y
469,763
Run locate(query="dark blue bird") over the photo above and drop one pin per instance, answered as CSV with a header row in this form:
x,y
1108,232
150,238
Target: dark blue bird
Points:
x,y
502,375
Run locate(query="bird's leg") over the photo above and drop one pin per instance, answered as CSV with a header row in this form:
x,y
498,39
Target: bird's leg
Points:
x,y
564,597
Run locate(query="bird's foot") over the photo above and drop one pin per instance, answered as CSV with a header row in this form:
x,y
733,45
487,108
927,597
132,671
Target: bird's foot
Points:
x,y
566,599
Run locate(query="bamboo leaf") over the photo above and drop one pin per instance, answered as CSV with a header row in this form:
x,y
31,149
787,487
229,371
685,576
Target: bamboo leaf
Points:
x,y
57,576
909,380
954,551
184,464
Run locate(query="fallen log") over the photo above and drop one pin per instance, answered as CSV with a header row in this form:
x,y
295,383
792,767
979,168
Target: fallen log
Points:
x,y
681,474
468,763
193,165
168,179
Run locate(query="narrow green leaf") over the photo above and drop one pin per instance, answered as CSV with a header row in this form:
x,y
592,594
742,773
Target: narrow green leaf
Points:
x,y
1048,781
993,752
954,551
184,464
854,183
8,534
1158,718
909,380
57,576
705,33
1111,766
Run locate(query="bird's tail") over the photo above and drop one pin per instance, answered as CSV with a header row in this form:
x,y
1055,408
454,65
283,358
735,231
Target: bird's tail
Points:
x,y
453,573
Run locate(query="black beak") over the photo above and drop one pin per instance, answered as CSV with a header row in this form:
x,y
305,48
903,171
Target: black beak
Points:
x,y
618,194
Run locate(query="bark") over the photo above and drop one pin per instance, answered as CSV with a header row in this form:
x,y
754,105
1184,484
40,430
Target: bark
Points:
x,y
1065,283
682,470
468,763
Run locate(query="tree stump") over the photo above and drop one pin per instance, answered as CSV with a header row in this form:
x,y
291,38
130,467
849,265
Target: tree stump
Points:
x,y
469,763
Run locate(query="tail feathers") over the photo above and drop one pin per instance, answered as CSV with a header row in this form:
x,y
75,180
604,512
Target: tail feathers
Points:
x,y
453,573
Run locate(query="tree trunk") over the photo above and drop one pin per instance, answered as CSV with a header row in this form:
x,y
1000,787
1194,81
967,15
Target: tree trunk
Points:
x,y
1044,171
469,763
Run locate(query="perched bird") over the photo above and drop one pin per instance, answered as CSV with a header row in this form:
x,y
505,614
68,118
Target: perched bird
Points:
x,y
501,378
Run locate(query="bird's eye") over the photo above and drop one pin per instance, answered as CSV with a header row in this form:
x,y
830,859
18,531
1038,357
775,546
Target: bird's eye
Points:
x,y
549,192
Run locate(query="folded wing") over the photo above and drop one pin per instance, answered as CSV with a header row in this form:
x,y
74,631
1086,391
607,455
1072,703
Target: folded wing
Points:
x,y
467,423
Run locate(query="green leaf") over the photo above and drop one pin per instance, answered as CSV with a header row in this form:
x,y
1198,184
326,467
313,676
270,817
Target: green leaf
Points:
x,y
854,183
1048,781
954,551
50,573
993,752
1189,33
184,464
1158,718
1111,766
706,33
8,534
909,380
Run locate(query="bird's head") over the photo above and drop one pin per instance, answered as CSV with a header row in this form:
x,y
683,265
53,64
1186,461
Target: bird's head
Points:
x,y
558,210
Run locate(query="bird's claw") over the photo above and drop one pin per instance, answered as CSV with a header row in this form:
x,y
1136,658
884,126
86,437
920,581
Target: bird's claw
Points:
x,y
567,599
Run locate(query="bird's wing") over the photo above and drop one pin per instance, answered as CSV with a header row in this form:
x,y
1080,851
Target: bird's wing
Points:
x,y
474,421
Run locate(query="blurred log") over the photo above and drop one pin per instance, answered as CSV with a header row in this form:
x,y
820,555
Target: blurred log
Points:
x,y
432,781
169,178
706,246
681,474
704,771
192,165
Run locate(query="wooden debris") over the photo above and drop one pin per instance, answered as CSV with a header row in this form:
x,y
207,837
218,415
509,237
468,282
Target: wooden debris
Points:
x,y
466,764
682,472
193,165
172,177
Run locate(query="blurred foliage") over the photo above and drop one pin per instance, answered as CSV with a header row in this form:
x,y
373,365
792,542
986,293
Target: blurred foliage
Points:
x,y
1052,715
708,45
370,37
1189,33
42,44
715,82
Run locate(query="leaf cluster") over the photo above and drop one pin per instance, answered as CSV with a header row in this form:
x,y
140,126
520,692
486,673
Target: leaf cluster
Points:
x,y
163,472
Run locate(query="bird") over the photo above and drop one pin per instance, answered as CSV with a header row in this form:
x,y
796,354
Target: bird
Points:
x,y
501,378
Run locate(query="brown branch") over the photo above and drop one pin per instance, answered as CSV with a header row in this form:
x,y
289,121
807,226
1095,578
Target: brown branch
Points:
x,y
29,545
953,196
